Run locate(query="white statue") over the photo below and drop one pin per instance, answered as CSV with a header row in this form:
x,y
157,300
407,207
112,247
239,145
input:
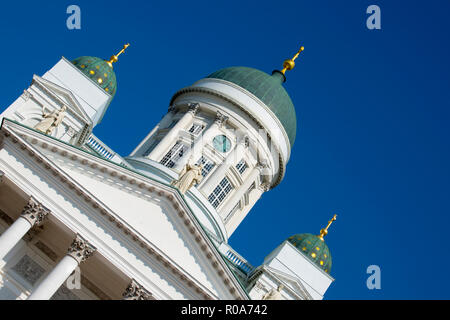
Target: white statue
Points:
x,y
274,294
189,176
51,120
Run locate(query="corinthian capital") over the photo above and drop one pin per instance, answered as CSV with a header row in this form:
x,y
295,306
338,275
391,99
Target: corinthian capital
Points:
x,y
80,249
135,291
172,108
193,107
34,212
221,118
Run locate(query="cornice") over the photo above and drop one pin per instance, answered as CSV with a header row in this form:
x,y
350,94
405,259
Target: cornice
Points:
x,y
133,180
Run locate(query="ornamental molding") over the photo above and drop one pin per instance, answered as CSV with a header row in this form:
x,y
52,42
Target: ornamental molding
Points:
x,y
27,137
52,90
80,249
34,212
290,282
135,291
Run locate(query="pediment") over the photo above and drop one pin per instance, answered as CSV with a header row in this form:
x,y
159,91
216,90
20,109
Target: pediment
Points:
x,y
294,283
151,213
65,96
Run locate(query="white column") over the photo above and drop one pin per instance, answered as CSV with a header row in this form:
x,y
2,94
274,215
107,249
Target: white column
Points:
x,y
235,220
197,149
232,159
172,135
33,214
164,123
55,279
240,192
79,251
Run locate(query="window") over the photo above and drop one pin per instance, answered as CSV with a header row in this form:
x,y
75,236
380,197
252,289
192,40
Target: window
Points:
x,y
222,144
220,192
152,146
174,154
196,129
241,166
207,165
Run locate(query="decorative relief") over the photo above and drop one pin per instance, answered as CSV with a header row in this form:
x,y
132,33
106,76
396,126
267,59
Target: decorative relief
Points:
x,y
80,249
135,291
29,269
35,212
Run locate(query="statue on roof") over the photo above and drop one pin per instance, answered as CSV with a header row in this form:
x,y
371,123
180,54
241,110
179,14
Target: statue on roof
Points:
x,y
51,120
189,176
274,294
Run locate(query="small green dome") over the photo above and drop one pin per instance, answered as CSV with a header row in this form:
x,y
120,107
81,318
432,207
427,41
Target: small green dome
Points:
x,y
99,71
314,248
269,89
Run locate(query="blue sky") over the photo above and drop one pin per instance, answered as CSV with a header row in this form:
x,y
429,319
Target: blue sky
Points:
x,y
372,105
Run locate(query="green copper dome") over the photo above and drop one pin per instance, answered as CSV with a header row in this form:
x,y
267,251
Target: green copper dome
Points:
x,y
314,248
269,89
99,71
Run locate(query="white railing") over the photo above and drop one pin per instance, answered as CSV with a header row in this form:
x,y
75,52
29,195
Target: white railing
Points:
x,y
102,149
236,259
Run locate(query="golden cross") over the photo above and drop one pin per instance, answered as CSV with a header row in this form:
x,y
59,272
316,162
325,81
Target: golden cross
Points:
x,y
324,232
115,57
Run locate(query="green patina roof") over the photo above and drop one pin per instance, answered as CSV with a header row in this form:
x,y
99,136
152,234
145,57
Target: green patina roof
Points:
x,y
99,71
269,89
314,248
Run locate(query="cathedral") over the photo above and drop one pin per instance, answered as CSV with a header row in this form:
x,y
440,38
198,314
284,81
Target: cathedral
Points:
x,y
80,222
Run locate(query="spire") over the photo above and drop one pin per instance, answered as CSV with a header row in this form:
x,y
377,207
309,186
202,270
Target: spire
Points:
x,y
114,58
324,232
289,64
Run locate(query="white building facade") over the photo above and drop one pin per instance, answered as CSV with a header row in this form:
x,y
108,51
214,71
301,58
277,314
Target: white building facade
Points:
x,y
79,221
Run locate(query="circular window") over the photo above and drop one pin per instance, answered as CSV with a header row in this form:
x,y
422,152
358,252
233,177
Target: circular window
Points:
x,y
222,143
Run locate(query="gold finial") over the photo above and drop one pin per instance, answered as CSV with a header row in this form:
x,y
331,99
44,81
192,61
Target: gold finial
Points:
x,y
114,58
324,232
290,63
